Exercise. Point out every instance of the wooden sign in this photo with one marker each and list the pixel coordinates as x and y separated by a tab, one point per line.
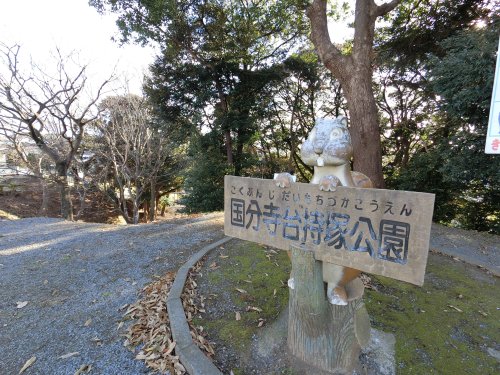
384	232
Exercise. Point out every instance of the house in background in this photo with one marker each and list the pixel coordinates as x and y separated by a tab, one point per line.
9	167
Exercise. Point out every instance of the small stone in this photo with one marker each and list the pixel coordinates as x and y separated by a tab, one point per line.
494	353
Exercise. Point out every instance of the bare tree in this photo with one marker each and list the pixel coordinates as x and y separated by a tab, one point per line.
354	72
19	144
133	152
52	110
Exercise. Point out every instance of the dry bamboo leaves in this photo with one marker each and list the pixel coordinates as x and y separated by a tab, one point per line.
69	355
20	305
28	363
151	329
83	368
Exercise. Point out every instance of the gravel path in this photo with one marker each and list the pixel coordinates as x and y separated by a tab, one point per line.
75	278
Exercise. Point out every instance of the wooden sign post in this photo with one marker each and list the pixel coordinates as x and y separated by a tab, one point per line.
377	231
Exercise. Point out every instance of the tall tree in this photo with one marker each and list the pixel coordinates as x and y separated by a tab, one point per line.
355	73
435	61
52	110
133	151
286	112
227	47
416	28
216	58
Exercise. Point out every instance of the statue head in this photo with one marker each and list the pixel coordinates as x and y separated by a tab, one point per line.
328	143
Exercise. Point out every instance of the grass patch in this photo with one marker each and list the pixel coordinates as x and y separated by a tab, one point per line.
262	274
444	327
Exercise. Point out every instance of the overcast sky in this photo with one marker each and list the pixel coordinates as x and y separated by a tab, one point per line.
41	25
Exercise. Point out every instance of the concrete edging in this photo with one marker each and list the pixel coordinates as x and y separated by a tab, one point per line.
191	357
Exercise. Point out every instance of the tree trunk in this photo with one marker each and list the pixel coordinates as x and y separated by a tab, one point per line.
123	206
135	213
152	203
325	338
354	72
45	197
365	133
229	147
64	191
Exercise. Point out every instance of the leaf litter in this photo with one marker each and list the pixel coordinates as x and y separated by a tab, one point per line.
28	363
150	334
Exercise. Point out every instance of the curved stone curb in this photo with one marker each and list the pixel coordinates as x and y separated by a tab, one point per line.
191	357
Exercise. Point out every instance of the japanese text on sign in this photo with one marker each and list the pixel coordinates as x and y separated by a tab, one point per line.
382	225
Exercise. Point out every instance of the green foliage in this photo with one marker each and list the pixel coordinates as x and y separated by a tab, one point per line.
417	27
204	179
449	104
217	57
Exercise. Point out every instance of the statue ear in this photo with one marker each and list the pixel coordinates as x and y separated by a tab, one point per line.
343	121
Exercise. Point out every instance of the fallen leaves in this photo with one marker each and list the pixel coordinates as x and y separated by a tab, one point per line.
367	281
69	355
254	308
151	329
455	308
28	363
97	341
237	315
20	305
82	369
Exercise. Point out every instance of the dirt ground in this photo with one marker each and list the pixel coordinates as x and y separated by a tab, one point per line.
97	208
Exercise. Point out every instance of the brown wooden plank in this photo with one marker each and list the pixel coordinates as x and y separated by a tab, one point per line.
384	232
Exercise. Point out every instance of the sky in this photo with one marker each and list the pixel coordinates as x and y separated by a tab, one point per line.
40	26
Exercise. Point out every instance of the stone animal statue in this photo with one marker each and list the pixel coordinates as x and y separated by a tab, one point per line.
328	149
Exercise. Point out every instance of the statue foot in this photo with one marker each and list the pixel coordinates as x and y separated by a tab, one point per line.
336	295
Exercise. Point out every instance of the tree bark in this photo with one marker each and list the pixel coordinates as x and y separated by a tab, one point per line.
135	212
324	338
64	191
45	197
152	202
365	129
354	73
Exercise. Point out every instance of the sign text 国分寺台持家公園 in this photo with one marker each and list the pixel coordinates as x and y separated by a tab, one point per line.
378	231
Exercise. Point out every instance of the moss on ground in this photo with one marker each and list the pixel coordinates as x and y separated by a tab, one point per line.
444	327
260	273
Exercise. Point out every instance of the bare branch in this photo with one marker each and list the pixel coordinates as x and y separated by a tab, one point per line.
385	8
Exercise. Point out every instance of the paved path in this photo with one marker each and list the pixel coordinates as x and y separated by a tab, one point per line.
70	273
478	248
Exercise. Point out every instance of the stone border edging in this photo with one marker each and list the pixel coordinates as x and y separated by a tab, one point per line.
191	357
